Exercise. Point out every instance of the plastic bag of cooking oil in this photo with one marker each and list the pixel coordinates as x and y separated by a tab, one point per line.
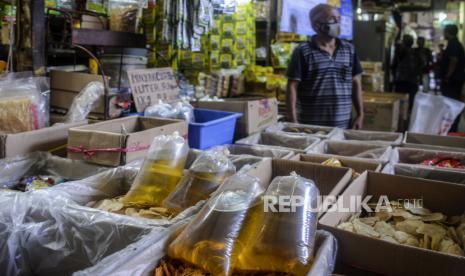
207	242
278	235
161	171
207	173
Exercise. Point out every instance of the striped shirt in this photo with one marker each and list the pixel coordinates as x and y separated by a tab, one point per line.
324	94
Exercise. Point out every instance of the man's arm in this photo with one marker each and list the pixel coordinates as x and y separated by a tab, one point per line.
291	98
451	68
357	99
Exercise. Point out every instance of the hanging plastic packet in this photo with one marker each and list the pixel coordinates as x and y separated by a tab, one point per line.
280	238
207	242
207	173
160	173
84	102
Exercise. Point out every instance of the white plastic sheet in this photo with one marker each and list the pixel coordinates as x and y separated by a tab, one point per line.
434	114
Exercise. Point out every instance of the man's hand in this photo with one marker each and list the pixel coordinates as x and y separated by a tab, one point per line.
358	122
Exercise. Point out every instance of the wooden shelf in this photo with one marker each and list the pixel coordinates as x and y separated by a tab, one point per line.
108	38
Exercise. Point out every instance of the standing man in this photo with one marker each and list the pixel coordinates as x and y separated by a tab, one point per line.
426	58
453	68
324	76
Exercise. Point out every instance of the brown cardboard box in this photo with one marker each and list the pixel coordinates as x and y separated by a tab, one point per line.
45	139
381	114
403	106
295	143
65	86
426	141
372	137
257	113
372	66
260	151
415	156
387	258
373	82
329	180
107	135
93	22
355	150
426	173
359	166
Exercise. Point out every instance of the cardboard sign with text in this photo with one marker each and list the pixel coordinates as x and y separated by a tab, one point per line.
151	85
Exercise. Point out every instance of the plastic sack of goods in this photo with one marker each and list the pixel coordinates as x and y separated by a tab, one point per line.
48	236
23	104
42	170
232	235
357	150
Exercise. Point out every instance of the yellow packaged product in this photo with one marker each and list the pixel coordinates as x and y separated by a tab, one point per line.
279	238
332	162
17	114
198	60
204	177
241	43
242	28
215	41
160	173
227	45
215	60
228	30
207	241
226	60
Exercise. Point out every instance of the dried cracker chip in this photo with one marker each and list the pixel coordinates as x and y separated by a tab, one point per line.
450	247
348	226
436	232
385	229
384	215
364	229
433	217
389	239
409	226
404	214
369	220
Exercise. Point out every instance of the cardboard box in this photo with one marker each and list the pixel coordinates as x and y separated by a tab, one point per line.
329	180
295	143
359	166
414	157
427	141
260	151
329	131
373	82
381	114
65	86
107	136
257	113
372	66
355	150
375	137
403	106
427	173
45	139
93	22
387	258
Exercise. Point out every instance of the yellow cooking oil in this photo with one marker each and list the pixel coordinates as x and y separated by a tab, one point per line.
278	240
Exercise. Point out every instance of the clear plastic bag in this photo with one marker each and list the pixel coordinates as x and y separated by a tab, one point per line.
21	103
296	142
380	152
179	110
84	102
426	173
124	15
161	171
207	242
44	235
207	173
260	151
376	137
278	238
417	157
13	169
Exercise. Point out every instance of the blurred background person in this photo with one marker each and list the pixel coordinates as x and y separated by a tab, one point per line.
426	58
453	68
437	66
406	69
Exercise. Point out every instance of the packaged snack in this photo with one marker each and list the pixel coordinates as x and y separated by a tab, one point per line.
226	60
124	15
228	30
160	173
215	41
206	174
449	163
207	242
227	46
332	162
241	28
273	240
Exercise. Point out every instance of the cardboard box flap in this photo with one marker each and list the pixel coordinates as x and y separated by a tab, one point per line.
354	149
71	81
435	141
357	165
430	173
415	156
329	180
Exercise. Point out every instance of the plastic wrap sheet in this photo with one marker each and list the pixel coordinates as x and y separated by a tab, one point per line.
260	151
416	156
282	140
426	173
240	161
84	102
355	149
43	163
313	130
391	138
142	257
41	235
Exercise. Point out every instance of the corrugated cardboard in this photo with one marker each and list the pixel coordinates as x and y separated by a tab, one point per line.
44	139
365	136
415	156
429	173
427	141
355	150
329	180
381	114
387	258
260	151
256	139
64	86
359	166
329	131
105	135
403	106
257	113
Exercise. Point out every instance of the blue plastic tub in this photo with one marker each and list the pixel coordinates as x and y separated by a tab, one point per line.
212	128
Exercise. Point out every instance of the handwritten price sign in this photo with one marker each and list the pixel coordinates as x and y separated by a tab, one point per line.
151	85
